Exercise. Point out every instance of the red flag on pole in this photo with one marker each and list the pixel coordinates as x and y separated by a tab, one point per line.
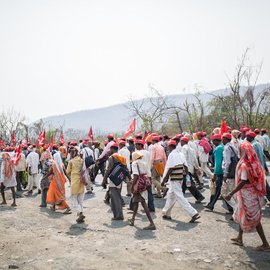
90	134
223	128
61	138
13	139
42	138
146	134
131	128
51	141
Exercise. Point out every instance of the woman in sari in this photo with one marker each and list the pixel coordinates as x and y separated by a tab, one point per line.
250	191
56	192
8	178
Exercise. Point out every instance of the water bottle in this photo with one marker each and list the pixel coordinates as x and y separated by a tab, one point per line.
188	181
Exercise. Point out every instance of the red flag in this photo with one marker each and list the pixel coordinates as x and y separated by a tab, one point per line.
131	128
90	134
42	138
13	139
18	154
223	128
51	141
61	138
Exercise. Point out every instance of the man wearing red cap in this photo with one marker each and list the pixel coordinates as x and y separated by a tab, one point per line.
139	144
203	147
158	161
193	166
107	148
124	152
176	168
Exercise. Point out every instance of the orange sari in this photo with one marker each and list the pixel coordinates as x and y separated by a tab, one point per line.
56	192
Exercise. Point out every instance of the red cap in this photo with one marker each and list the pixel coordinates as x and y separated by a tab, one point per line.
227	136
154	134
172	142
110	136
256	130
155	138
216	137
263	130
185	139
131	140
246	129
200	133
138	135
139	142
251	134
204	133
115	145
122	142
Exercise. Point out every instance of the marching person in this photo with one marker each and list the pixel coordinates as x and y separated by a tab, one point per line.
175	169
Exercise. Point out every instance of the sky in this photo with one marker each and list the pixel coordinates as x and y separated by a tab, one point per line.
60	56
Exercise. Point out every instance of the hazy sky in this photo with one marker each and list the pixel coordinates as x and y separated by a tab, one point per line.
59	56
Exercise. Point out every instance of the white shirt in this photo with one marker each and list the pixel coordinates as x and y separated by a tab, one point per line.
175	158
86	151
124	152
146	159
191	158
203	157
33	161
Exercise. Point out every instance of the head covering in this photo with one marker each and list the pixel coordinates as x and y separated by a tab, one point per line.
184	139
263	130
246	129
251	134
136	155
256	130
130	139
235	133
122	142
115	145
58	161
172	142
139	135
216	137
110	136
30	148
227	136
155	138
139	142
8	165
249	161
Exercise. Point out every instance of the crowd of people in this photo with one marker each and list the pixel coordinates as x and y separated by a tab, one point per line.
153	167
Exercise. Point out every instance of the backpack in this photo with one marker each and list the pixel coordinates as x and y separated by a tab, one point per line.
233	164
205	145
118	173
88	160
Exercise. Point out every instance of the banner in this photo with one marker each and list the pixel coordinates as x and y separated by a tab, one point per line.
131	129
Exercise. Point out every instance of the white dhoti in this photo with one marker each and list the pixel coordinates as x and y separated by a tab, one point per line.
174	194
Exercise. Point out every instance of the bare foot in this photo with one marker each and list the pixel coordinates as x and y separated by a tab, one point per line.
3	203
263	248
237	241
14	204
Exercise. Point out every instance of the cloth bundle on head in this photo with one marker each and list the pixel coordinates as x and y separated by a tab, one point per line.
136	155
249	161
235	133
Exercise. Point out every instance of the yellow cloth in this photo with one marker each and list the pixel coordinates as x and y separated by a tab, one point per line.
74	172
120	159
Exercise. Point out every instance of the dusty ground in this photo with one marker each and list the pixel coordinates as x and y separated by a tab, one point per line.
34	238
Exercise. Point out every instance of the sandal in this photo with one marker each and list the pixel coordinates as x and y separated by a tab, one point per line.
150	228
14	205
131	221
194	218
67	212
237	242
52	208
166	217
263	248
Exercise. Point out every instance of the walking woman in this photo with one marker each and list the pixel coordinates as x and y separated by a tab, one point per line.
74	170
139	167
250	191
56	192
8	178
